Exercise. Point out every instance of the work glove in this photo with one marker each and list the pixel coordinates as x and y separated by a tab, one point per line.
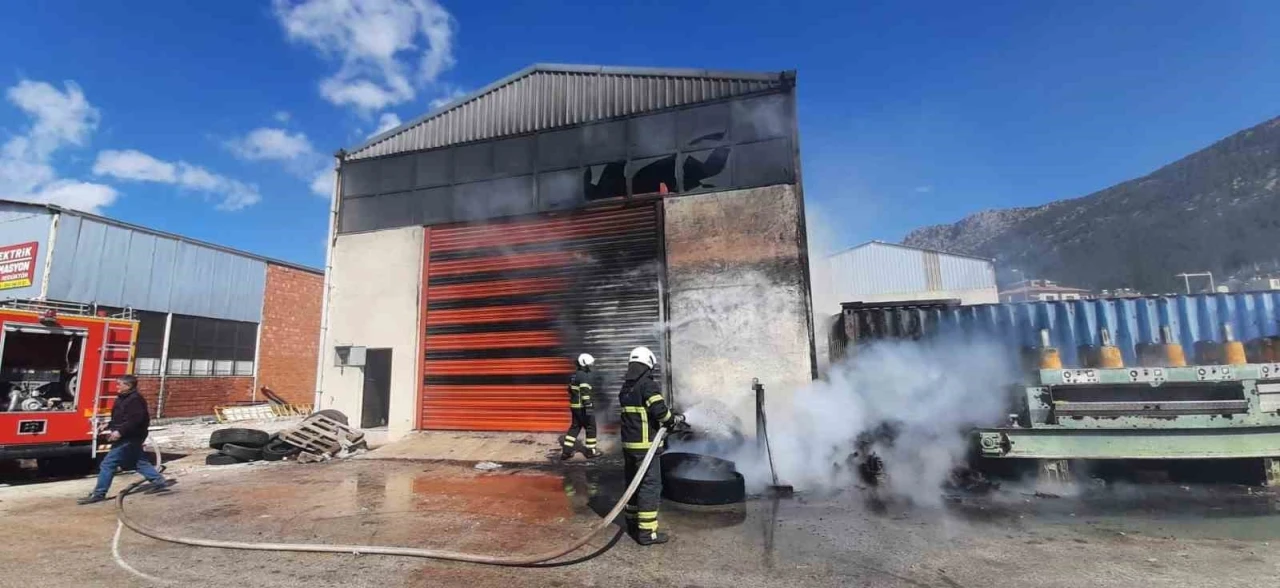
677	420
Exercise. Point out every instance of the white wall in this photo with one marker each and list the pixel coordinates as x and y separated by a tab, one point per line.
737	305
375	292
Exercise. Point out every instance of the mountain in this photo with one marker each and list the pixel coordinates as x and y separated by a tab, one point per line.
1215	210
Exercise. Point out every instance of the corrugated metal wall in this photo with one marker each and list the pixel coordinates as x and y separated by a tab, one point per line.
1076	323
547	98
509	305
25	224
120	266
877	269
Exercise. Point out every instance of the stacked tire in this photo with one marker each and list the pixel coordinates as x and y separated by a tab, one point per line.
238	445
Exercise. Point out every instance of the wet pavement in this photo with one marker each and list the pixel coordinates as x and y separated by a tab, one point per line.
1164	535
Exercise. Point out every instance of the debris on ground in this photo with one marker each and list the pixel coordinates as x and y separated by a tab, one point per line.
488	466
320	436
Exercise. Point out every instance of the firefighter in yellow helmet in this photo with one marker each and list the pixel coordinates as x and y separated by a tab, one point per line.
582	412
644	410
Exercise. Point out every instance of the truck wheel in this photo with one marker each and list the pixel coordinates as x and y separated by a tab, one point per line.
58	467
242	453
242	437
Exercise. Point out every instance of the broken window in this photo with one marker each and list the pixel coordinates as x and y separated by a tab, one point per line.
654	175
605	181
706	169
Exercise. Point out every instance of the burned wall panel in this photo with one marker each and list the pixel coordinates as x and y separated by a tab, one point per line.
740	143
737	298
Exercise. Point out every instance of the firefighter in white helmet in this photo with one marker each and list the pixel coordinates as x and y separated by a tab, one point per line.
582	412
644	410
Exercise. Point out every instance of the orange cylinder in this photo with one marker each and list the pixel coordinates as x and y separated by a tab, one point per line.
1109	357
1233	353
1050	359
1174	356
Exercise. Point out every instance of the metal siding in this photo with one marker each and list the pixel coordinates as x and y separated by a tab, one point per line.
1073	324
878	269
160	279
64	255
548	98
114	268
123	266
508	305
24	224
138	267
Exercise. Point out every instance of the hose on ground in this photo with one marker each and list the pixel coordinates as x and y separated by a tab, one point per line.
537	560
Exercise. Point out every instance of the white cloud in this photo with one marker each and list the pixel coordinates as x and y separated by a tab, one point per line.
322	183
924	189
387	50
59	119
292	150
282	116
268	144
133	165
448	97
386	122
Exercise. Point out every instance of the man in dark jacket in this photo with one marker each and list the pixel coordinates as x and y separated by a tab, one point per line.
644	411
127	431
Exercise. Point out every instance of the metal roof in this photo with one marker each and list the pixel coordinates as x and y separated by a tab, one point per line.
912	248
122	224
545	96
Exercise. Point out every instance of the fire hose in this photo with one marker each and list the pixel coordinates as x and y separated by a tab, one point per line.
510	561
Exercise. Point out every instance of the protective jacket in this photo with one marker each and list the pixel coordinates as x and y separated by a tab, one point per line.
644	409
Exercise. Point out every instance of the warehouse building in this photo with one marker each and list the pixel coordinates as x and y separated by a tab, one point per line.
569	209
876	272
216	325
887	272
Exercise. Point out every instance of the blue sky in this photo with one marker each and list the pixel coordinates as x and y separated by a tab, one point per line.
215	119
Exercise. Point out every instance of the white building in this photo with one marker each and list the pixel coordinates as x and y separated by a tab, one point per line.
887	272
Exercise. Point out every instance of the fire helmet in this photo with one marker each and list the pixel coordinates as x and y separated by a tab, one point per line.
643	355
585	360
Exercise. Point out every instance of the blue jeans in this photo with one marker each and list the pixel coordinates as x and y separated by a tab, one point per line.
124	455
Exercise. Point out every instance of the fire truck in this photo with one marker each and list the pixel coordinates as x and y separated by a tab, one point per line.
58	362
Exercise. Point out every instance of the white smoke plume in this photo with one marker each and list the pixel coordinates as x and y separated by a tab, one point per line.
933	392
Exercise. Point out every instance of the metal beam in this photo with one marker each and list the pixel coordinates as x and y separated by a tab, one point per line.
1130	444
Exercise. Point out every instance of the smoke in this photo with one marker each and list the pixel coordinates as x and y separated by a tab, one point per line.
928	394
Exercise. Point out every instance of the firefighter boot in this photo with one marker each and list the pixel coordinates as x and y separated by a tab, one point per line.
651	537
567	448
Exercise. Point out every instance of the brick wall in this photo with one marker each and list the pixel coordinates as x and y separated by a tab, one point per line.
194	396
290	337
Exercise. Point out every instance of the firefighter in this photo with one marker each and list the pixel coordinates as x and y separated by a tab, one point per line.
643	411
582	412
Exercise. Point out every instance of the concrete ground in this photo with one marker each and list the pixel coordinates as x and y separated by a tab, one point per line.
1151	536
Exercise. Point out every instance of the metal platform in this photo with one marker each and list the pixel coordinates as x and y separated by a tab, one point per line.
1255	442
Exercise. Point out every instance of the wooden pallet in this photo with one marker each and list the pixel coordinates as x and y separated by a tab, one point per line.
321	437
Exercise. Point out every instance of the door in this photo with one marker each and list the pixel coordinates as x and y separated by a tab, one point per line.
377	389
510	304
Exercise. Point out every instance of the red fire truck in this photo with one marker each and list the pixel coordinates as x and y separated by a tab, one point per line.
57	365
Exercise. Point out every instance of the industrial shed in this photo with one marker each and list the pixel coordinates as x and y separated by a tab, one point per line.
216	325
566	209
887	272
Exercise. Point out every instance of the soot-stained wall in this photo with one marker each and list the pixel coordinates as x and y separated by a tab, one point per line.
738	304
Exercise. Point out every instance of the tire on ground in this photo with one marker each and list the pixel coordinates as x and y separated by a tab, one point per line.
220	459
717	483
241	452
277	450
242	437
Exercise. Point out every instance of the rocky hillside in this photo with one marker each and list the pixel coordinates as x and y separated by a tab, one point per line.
1215	210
